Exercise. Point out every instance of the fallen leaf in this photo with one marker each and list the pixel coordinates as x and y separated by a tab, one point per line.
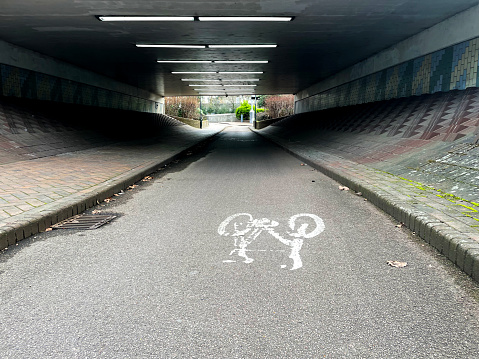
302	164
147	178
397	264
343	188
359	194
400	225
96	211
48	229
132	186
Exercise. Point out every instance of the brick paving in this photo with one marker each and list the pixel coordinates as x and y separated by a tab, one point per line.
37	193
447	222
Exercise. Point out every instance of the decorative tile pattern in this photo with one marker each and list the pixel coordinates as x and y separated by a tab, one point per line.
452	68
442	116
29	84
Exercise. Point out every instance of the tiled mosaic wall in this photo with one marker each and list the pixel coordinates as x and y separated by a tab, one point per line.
452	68
29	84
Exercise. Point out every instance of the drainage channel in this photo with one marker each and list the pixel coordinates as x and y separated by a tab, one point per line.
85	222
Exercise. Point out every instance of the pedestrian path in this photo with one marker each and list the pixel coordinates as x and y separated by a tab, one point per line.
35	194
449	223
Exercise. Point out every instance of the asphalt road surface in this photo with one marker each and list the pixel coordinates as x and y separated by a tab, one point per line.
300	272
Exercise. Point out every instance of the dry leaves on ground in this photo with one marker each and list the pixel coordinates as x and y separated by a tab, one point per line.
147	178
343	188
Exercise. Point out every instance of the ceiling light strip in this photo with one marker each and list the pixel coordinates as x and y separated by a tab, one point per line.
240	62
217	72
245	18
180	46
229	80
211	62
184	61
145	18
240	72
241	46
193	72
173	46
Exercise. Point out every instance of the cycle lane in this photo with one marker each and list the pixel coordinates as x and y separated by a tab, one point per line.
164	280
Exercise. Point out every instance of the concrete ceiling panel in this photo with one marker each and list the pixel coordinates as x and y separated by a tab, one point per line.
325	36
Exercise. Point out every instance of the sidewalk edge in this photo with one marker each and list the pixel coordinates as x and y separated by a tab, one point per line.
43	217
458	247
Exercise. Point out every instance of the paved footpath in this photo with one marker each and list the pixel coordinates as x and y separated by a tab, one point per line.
449	223
37	193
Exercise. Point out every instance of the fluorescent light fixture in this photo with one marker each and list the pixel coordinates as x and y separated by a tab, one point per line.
201	80
216	72
245	18
241	80
193	72
240	85
145	18
241	62
173	46
206	85
240	46
210	62
240	72
218	80
184	62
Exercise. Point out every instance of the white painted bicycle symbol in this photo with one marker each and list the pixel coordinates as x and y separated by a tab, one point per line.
245	230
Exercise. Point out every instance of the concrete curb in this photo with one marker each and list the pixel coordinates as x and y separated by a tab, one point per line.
458	247
40	218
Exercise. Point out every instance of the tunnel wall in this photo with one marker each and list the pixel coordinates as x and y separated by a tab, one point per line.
440	59
33	76
31	129
432	138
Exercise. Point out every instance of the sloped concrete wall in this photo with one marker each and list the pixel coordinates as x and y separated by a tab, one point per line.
32	129
432	138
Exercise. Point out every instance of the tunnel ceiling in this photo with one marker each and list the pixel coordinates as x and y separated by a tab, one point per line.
324	37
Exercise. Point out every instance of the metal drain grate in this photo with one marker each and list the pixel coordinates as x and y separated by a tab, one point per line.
84	221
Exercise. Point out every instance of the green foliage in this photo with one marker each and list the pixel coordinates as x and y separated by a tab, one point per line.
244	110
261	99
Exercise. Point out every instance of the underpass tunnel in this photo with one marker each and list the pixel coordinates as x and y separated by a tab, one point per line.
393	85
